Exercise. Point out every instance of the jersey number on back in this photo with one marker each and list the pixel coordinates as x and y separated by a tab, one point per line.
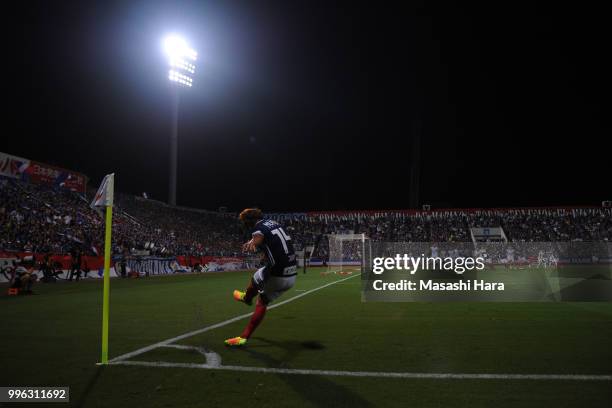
283	238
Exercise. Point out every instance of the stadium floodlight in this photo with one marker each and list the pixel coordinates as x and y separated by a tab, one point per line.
181	59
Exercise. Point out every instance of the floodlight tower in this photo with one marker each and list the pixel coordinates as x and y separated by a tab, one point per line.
181	59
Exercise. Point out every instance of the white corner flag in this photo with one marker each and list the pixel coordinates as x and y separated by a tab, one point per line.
104	198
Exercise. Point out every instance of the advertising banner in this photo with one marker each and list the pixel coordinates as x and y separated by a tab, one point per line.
143	265
41	173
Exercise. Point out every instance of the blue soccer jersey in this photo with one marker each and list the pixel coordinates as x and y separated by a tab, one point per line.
278	248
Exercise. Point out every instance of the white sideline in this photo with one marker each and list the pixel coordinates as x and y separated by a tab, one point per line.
217	325
375	374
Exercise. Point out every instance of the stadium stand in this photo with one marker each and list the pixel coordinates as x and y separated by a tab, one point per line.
45	219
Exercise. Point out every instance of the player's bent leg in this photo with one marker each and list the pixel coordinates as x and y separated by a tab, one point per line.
251	290
272	289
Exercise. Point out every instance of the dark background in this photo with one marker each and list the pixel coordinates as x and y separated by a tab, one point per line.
313	106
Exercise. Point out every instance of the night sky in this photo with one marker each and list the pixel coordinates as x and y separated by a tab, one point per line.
309	106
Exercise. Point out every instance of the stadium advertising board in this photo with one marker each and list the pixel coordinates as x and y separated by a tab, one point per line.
144	265
41	173
90	265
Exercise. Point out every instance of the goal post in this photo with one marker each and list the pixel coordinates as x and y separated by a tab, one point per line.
347	253
303	257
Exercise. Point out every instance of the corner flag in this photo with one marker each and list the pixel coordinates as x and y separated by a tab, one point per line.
104	198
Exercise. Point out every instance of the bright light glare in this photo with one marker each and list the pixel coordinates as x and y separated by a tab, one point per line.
176	47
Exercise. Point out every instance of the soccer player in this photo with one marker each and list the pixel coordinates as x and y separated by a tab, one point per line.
276	277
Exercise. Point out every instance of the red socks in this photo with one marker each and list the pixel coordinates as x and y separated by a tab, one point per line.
256	318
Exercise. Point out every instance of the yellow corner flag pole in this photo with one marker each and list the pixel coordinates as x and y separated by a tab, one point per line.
105	301
104	198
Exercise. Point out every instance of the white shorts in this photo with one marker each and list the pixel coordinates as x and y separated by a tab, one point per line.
273	286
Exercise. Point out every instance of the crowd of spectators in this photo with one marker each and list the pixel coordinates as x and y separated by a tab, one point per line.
45	219
39	219
519	225
181	231
36	218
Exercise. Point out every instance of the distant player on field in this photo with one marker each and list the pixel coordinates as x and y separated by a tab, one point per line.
276	277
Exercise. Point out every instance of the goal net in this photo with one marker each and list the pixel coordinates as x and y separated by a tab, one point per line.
346	253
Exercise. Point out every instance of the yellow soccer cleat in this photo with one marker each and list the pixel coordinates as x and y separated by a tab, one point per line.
235	342
239	296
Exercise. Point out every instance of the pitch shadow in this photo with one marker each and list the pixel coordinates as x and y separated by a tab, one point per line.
319	390
90	385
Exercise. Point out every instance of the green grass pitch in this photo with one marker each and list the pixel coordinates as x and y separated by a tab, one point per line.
53	339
